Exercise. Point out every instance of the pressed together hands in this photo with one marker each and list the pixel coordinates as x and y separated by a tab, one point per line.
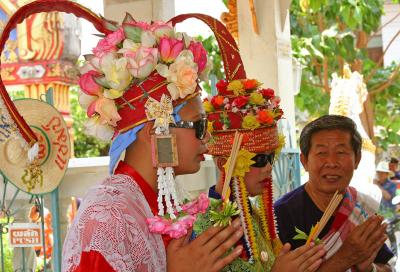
208	252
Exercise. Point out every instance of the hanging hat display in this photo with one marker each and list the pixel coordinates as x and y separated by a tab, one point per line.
46	171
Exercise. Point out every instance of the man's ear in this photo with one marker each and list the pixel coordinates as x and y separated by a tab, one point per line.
304	161
358	159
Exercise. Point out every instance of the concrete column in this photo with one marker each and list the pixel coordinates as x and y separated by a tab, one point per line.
267	56
141	10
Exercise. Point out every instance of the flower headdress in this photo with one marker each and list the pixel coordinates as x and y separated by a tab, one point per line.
243	105
139	73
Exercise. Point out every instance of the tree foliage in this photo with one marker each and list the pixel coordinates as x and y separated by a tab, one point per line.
84	145
326	34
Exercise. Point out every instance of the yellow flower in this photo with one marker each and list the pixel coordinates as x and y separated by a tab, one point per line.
210	127
236	86
243	163
257	98
208	107
282	141
250	122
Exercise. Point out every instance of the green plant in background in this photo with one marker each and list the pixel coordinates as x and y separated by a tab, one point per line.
217	70
326	34
84	145
8	254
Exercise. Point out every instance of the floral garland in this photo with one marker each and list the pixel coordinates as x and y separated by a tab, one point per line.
184	220
256	106
126	57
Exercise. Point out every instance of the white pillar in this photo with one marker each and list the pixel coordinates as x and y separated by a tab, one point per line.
141	10
267	56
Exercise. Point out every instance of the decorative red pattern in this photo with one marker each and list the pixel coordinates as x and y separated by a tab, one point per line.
269	210
18	17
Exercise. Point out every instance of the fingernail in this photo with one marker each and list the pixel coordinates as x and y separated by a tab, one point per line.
239	233
236	223
239	249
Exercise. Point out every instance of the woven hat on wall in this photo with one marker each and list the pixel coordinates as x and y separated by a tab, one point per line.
46	171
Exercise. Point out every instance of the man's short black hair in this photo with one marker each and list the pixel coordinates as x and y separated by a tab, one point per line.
394	160
330	122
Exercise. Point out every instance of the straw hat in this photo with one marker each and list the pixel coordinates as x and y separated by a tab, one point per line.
54	148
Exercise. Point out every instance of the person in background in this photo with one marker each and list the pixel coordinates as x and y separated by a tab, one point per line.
354	237
394	167
252	111
387	187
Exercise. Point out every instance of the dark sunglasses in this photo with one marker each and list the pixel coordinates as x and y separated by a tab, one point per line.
200	126
261	160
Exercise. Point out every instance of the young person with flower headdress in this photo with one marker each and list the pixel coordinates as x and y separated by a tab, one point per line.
142	82
140	87
243	106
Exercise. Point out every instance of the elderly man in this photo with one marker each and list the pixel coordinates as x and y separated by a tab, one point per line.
354	237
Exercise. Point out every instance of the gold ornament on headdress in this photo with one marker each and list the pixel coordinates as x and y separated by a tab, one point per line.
160	111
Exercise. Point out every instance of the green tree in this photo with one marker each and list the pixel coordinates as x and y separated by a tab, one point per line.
84	145
326	34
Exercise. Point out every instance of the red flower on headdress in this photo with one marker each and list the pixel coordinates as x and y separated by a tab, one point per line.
222	87
250	84
265	117
240	101
278	113
199	55
267	93
217	101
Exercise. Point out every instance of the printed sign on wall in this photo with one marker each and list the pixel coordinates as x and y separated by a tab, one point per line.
25	234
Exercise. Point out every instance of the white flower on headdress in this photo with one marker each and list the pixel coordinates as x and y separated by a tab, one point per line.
181	75
147	39
142	62
94	127
116	72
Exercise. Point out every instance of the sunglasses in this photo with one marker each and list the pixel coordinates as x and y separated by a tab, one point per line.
200	126
261	160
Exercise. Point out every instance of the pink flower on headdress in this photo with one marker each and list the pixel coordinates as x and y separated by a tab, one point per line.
181	75
94	127
199	55
116	37
170	49
162	29
275	101
88	84
142	25
107	110
142	62
103	47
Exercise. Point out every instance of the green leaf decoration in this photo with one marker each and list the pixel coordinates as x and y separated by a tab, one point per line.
221	213
110	25
128	19
133	33
301	235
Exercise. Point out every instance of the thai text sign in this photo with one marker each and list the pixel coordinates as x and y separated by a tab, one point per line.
25	235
